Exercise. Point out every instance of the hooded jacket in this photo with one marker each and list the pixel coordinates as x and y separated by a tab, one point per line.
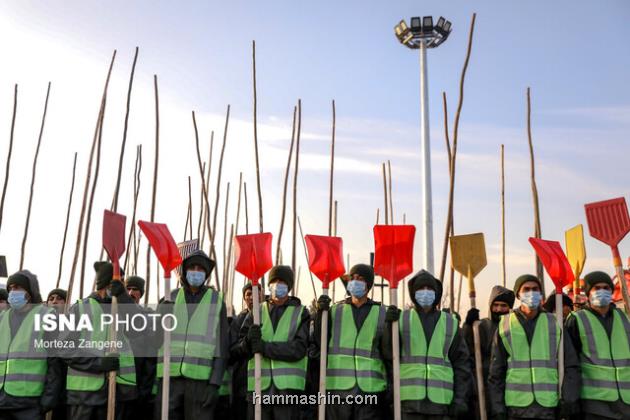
54	375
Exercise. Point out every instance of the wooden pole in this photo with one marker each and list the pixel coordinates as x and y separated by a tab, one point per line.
225	251
156	166
30	198
332	172
238	216
87	183
503	271
189	215
334	233
207	215
8	164
136	191
450	226
246	212
537	232
385	196
284	193
124	139
260	200
454	154
202	207
306	256
295	181
391	200
211	232
65	230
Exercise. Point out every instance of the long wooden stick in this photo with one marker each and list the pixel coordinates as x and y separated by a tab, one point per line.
8	164
156	165
226	257
260	200
385	195
238	216
540	273
503	271
124	139
295	183
136	191
87	182
189	216
207	215
30	198
391	200
202	207
334	233
284	191
246	211
332	173
201	174
185	237
306	256
65	230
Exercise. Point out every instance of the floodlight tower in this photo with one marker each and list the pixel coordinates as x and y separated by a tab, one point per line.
423	34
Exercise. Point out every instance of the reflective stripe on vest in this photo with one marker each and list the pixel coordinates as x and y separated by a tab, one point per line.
226	384
604	362
79	380
425	370
354	358
285	375
532	370
23	366
194	341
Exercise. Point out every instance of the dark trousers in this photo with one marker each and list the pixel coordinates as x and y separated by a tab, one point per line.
99	412
185	402
276	412
32	413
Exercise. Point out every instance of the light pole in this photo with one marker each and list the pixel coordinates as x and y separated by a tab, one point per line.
422	35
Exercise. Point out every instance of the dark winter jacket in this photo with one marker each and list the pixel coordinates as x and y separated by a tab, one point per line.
613	410
239	356
498	369
291	351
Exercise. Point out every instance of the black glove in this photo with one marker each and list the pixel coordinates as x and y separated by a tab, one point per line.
457	409
44	408
212	395
254	339
118	288
392	314
472	316
323	303
110	362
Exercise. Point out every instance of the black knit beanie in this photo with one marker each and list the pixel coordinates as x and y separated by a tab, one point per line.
59	292
21	280
365	271
137	282
524	279
591	279
421	279
282	272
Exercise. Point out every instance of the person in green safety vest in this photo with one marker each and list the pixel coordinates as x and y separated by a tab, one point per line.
88	368
601	336
282	340
435	374
57	300
523	381
199	343
359	363
30	376
240	354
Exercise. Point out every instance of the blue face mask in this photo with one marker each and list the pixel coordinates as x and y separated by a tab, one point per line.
279	290
531	299
17	299
357	288
195	278
600	298
425	298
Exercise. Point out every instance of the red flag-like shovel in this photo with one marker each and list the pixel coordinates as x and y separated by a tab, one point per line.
325	260
114	244
559	269
166	251
253	260
609	222
393	260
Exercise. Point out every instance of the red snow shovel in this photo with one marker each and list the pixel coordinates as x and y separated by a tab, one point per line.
559	269
253	260
609	222
114	244
393	260
325	260
165	249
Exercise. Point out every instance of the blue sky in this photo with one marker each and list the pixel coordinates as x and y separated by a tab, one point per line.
574	55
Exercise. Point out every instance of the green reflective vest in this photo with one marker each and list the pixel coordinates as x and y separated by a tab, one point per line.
605	362
285	375
354	357
23	365
532	369
425	370
193	342
79	380
226	384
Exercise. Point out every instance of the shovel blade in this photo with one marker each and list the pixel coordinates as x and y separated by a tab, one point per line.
114	234
468	252
163	245
608	221
325	257
393	246
576	252
555	262
253	255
